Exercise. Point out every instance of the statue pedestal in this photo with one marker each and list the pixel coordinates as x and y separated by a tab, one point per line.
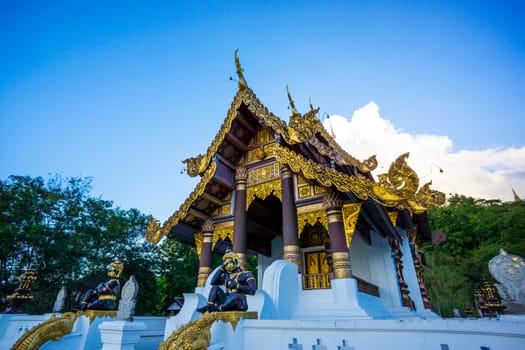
121	335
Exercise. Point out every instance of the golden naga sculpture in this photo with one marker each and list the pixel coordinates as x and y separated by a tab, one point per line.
399	183
399	188
196	335
55	328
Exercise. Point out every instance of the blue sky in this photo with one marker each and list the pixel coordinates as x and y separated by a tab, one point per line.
123	92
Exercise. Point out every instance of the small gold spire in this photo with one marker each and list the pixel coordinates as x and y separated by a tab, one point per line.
242	81
292	104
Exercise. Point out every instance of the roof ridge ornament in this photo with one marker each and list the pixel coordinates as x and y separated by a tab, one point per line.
292	104
242	82
311	105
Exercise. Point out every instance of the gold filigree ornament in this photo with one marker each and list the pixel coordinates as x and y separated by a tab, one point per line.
198	242
311	218
263	190
324	176
223	232
392	215
300	129
196	335
350	215
55	328
397	188
154	232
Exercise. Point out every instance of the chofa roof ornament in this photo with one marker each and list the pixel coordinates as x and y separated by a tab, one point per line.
240	71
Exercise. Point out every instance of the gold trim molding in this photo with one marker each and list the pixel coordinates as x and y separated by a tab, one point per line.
398	188
154	232
311	218
301	128
393	217
350	215
223	231
263	190
198	236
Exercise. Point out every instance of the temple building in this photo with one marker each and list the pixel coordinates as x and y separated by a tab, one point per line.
337	253
288	191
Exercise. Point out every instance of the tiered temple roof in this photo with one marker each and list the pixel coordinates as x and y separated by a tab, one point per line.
253	137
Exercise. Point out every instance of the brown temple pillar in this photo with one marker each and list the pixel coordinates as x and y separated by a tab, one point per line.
206	253
333	203
290	234
240	227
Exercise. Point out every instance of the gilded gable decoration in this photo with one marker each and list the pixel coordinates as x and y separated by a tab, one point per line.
324	176
310	215
305	189
350	215
263	190
393	217
301	129
198	242
335	152
223	231
154	232
396	189
248	119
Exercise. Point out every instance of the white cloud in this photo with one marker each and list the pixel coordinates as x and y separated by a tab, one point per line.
485	174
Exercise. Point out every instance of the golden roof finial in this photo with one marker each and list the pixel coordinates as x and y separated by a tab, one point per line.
292	104
242	81
311	105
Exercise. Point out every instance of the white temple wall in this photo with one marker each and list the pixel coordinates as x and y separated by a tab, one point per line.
382	334
384	271
360	257
373	263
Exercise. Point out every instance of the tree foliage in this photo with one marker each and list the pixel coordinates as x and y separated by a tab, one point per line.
476	229
179	265
69	238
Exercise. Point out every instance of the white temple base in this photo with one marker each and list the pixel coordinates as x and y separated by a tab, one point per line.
121	335
339	302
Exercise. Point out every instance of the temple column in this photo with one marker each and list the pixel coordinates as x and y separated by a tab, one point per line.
333	204
206	253
240	228
290	234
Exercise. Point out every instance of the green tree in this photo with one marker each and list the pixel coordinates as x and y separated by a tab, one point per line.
69	238
179	265
476	229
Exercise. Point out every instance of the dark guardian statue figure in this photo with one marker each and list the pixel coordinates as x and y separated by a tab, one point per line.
237	283
104	296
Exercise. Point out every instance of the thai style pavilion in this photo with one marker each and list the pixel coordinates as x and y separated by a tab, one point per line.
289	191
338	263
